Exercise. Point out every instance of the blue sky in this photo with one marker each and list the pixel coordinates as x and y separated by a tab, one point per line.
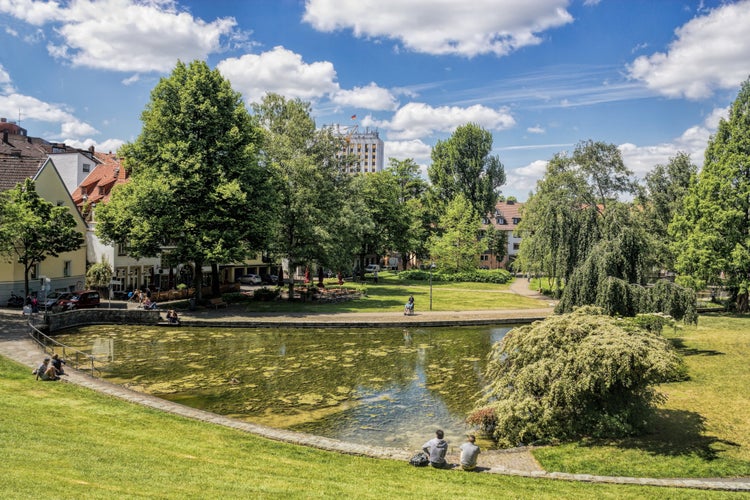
651	76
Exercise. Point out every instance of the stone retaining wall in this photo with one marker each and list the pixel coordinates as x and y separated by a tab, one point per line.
82	317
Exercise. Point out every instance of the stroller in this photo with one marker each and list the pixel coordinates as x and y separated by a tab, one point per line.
409	307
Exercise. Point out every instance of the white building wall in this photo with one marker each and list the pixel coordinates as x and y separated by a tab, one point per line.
73	168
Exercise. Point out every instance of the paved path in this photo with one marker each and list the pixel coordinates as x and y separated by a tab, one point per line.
15	344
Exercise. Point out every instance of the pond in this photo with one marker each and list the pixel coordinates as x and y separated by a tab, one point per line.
380	386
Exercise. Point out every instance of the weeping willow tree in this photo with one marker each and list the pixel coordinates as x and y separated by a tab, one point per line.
575	375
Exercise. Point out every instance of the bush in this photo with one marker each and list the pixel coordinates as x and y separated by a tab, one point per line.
576	375
266	294
498	276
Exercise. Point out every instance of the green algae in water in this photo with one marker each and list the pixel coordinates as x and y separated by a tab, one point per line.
370	386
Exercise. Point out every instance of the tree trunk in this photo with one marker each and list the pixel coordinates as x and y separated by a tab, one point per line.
198	280
742	303
215	283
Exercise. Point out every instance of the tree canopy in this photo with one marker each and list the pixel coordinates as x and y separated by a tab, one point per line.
711	232
582	374
33	229
307	179
196	186
463	164
457	247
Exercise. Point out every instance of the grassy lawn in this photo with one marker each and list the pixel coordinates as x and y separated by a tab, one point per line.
704	428
61	440
390	295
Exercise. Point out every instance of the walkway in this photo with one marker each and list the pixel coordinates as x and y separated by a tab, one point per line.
15	344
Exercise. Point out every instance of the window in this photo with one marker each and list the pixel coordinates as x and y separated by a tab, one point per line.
516	246
67	265
516	220
34	272
122	249
485	220
86	167
101	191
500	220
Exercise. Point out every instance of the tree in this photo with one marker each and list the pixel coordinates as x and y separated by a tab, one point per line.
196	185
711	232
458	247
666	187
33	229
99	275
566	217
307	178
463	164
575	375
496	241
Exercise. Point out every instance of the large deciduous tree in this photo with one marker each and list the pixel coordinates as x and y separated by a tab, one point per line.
712	230
307	178
33	229
196	185
463	164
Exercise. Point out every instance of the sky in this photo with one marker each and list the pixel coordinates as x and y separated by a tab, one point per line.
653	77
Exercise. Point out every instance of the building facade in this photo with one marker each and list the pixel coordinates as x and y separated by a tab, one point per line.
363	151
505	218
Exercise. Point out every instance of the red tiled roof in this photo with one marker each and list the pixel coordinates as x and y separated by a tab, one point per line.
507	211
98	185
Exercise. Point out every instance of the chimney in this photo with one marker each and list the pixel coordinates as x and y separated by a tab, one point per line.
91	149
5	135
3	120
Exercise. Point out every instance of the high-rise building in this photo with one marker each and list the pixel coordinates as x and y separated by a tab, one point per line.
364	149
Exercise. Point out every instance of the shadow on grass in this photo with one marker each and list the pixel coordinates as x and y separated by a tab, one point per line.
677	433
679	344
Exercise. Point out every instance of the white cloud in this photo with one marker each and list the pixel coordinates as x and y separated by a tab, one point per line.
710	52
536	129
369	97
415	120
31	11
108	146
443	26
123	35
401	150
693	141
524	179
131	79
281	71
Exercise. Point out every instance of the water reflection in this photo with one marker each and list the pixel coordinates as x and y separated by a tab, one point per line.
388	387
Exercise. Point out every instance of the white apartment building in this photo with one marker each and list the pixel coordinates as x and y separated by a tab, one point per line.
367	149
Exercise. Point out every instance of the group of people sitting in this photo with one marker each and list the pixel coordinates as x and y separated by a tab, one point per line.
437	447
142	298
50	369
172	317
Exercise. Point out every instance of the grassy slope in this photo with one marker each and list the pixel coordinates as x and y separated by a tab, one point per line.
68	441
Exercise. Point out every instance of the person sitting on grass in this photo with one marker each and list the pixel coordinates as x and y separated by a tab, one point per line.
58	363
46	371
436	448
469	453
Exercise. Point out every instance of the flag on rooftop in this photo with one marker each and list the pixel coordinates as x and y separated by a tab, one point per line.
354	117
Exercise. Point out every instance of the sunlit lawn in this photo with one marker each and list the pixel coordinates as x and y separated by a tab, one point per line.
704	428
390	295
58	440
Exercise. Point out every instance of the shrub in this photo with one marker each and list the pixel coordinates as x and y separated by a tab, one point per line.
498	276
576	375
266	294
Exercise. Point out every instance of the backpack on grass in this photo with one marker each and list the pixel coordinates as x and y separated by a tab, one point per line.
419	460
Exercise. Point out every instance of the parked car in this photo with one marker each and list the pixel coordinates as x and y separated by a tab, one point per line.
250	279
53	298
371	268
270	279
79	300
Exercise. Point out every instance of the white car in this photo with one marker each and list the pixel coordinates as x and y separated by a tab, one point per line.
250	279
371	268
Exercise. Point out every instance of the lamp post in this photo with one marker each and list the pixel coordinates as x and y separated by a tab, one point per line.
432	264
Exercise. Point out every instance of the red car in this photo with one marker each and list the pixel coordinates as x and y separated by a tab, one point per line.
79	300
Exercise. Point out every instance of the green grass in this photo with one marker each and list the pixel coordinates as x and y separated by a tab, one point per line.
61	440
704	428
390	295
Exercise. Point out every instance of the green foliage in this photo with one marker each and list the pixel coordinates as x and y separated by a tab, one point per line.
576	375
99	274
196	184
711	231
33	229
458	247
462	164
266	294
497	276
